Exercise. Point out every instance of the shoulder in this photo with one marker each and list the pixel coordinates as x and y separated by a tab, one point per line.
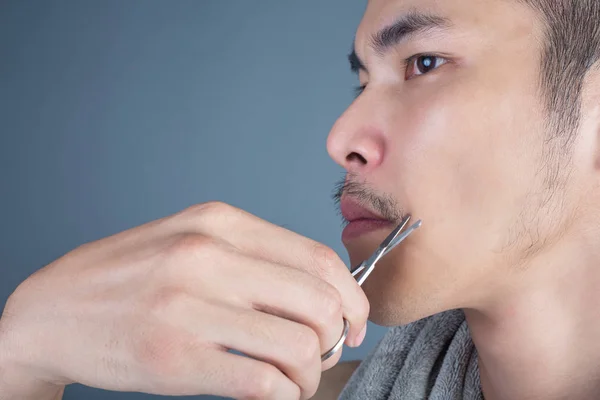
334	379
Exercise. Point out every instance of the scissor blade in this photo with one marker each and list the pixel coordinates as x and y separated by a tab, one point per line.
401	237
386	243
361	272
394	234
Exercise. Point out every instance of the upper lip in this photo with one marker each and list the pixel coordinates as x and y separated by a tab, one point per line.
352	210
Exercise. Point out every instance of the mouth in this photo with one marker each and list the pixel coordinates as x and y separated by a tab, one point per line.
361	220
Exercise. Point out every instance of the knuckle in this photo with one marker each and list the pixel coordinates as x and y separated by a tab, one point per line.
306	348
209	208
214	213
193	244
324	259
331	304
262	383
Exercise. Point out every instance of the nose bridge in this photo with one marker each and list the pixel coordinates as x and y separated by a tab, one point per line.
357	140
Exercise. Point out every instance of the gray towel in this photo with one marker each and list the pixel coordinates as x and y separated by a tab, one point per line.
433	358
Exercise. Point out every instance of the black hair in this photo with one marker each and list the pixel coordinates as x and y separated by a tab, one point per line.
571	49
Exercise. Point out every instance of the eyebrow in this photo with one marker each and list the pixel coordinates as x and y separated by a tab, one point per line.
406	26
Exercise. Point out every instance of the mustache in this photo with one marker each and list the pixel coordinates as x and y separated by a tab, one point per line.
384	204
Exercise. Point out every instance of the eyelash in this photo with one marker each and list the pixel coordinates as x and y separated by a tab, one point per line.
407	63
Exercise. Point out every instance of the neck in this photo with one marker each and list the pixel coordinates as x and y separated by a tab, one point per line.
541	339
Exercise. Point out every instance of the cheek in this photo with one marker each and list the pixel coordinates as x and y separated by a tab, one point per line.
463	161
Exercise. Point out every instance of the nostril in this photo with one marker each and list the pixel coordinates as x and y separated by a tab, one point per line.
355	156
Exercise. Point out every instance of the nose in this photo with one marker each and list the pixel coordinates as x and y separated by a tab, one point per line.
356	142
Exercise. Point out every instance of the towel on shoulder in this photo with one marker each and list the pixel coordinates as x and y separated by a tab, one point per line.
433	358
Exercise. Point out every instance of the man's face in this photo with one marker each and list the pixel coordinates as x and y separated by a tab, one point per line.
457	138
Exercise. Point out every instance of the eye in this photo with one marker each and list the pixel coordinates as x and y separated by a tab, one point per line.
422	64
415	66
358	90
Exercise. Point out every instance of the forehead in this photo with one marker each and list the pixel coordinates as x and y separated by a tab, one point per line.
502	20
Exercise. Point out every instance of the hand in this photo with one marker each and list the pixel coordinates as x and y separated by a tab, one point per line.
155	309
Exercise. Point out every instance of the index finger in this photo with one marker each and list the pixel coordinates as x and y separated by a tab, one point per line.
255	236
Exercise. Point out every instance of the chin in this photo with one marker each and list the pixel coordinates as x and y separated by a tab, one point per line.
401	292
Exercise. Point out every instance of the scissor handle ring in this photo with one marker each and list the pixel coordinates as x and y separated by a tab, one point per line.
339	343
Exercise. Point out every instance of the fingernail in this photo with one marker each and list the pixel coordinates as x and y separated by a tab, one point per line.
361	336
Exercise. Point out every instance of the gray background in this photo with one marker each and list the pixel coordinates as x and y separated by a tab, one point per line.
114	113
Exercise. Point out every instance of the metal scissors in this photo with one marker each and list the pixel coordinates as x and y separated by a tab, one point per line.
361	272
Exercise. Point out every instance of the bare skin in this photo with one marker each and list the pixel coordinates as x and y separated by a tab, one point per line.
155	308
511	235
511	230
332	381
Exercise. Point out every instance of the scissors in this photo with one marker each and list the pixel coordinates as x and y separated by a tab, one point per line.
361	272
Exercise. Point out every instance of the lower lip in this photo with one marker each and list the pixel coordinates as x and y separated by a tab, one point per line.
361	227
